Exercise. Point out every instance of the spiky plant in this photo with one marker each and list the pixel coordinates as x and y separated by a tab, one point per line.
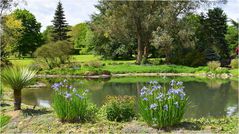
17	78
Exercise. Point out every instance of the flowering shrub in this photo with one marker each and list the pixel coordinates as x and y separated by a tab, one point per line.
70	104
120	108
161	107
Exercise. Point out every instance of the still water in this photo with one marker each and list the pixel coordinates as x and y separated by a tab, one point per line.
207	97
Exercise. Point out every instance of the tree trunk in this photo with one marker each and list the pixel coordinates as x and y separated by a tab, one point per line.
139	50
17	99
139	41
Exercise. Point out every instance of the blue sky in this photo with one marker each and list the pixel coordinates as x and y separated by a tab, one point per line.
77	11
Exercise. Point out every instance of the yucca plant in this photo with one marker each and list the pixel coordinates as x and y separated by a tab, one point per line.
17	78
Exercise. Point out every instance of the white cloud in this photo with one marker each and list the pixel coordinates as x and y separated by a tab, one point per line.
77	11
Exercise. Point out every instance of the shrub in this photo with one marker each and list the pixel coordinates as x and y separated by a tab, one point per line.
120	108
160	107
17	78
72	105
95	64
234	63
54	54
213	65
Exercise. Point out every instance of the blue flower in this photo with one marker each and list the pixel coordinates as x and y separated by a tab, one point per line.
145	99
176	104
182	96
70	87
142	93
153	106
179	83
159	97
55	86
68	95
74	90
153	82
165	107
172	82
81	97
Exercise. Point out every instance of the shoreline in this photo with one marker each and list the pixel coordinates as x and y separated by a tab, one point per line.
207	75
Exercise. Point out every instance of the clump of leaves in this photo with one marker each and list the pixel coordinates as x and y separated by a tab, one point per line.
120	108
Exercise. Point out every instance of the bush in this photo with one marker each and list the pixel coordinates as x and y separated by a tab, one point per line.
160	107
213	65
120	108
95	64
234	63
72	105
54	54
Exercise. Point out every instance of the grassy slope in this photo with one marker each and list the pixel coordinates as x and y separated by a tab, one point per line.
120	66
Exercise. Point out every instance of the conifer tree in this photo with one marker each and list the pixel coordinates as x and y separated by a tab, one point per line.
60	26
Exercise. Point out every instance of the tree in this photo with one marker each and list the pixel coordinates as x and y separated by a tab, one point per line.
211	36
9	27
81	35
47	34
17	78
31	37
60	26
232	37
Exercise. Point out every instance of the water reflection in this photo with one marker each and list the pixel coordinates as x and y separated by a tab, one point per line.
207	97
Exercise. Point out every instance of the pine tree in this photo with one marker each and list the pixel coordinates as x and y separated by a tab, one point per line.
60	26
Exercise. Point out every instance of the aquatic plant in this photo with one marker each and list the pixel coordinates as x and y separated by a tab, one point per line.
161	107
17	78
71	104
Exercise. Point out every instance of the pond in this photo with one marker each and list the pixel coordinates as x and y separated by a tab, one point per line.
207	97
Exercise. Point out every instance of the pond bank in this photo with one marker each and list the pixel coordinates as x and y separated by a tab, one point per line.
208	75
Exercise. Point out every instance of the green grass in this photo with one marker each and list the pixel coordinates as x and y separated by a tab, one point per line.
4	119
22	62
121	66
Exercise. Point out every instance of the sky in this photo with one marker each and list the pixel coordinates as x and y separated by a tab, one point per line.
77	11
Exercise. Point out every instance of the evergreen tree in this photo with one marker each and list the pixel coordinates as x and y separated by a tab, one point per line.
60	26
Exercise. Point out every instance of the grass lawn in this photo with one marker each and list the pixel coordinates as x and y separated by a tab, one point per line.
120	66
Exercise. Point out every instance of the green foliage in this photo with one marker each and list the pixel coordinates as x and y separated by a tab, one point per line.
234	63
213	65
120	108
54	54
81	36
94	64
72	105
60	27
4	119
31	37
47	34
161	107
17	77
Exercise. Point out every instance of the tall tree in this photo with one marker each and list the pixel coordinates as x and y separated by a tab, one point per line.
60	26
211	35
31	37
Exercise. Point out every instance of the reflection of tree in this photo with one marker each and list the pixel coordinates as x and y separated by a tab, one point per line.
205	101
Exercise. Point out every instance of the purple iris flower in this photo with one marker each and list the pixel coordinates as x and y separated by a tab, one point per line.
145	99
165	107
81	97
68	95
153	106
176	104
